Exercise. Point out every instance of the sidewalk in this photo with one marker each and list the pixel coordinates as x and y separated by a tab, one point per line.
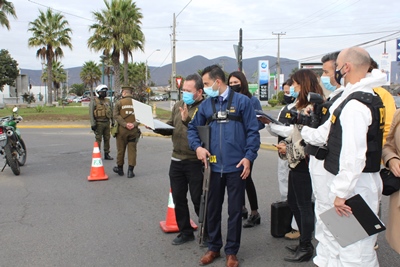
266	139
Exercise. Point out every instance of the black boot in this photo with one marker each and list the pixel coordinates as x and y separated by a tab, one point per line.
119	170
252	221
292	248
245	213
303	253
130	172
107	156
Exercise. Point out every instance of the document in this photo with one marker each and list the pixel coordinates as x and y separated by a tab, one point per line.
144	115
360	224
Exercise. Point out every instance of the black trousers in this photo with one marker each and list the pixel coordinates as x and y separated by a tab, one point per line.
299	200
186	175
251	191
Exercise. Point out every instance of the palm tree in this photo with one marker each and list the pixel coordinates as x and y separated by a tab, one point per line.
90	75
6	7
50	31
117	29
59	76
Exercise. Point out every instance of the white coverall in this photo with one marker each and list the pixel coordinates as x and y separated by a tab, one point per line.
355	119
283	167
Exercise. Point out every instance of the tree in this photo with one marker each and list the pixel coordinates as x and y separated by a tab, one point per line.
77	88
117	30
50	32
59	76
90	75
8	69
6	8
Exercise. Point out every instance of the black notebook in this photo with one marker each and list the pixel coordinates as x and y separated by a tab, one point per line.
359	225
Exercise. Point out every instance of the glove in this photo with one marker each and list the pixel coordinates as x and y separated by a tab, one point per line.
94	128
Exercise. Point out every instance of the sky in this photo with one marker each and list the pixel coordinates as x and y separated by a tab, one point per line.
210	28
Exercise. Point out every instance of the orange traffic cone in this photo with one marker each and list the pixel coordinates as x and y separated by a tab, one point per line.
170	225
97	170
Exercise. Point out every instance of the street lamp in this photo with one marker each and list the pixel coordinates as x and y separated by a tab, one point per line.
102	57
146	82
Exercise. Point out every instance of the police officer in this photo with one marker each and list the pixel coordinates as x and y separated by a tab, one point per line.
128	132
100	115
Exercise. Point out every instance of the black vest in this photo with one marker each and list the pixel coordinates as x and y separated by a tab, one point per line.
324	111
374	134
286	117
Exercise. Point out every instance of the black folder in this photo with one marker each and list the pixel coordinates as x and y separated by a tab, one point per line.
360	224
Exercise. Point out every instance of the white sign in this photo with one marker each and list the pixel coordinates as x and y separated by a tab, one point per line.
385	66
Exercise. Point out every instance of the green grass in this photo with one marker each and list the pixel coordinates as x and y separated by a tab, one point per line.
68	113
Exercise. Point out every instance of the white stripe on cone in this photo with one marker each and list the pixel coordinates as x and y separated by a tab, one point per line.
171	201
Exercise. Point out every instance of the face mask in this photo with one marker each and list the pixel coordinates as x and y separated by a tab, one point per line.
326	81
293	93
288	99
187	97
236	88
339	76
210	92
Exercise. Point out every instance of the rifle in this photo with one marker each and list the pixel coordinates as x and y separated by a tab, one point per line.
204	134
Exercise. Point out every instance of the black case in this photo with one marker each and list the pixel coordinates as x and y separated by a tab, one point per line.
281	219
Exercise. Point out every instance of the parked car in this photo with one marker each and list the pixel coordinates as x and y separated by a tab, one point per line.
70	98
397	101
77	99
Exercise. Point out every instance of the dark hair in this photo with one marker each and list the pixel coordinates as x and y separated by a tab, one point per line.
287	82
331	56
374	65
215	72
244	85
198	82
308	81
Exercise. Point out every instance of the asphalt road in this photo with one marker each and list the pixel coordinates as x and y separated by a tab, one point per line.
52	216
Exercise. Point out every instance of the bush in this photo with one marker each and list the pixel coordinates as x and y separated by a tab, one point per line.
273	102
39	109
281	99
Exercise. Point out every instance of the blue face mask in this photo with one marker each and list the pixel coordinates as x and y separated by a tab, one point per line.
187	97
326	81
293	93
210	92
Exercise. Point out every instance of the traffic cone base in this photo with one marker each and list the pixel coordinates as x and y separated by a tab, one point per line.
97	171
170	225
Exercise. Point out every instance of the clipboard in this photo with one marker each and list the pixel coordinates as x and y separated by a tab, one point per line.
144	115
261	113
360	224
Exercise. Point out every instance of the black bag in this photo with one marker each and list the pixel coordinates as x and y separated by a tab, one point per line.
281	219
391	183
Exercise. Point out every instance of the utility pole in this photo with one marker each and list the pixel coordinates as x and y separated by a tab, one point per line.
240	51
173	78
278	64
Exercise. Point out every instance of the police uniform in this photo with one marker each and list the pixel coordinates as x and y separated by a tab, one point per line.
126	139
100	115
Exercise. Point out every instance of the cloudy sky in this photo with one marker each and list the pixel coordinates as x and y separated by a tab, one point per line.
211	27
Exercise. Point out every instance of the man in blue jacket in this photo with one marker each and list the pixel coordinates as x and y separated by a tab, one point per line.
234	143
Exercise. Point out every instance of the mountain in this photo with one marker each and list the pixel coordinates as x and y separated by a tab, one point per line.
161	75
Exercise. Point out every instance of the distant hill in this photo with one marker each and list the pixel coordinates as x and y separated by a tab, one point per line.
161	75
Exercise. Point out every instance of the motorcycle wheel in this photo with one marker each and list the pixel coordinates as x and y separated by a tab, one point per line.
12	160
22	157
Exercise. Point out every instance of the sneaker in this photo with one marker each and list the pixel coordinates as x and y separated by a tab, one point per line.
293	235
181	239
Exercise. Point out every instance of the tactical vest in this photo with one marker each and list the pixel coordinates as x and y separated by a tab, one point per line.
286	117
127	111
102	109
374	134
324	110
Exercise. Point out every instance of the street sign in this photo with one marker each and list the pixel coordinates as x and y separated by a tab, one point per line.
398	56
178	82
148	90
398	44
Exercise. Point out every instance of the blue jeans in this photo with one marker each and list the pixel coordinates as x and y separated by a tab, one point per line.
299	200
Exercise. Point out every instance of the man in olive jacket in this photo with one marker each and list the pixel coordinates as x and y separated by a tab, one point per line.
185	171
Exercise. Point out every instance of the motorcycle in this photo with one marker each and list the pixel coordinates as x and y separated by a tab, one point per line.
12	147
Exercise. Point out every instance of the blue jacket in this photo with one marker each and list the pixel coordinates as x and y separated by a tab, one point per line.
230	141
257	106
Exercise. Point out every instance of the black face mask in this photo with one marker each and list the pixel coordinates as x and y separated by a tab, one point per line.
236	88
102	94
338	75
288	99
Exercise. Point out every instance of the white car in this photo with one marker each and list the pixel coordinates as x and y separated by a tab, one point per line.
77	99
